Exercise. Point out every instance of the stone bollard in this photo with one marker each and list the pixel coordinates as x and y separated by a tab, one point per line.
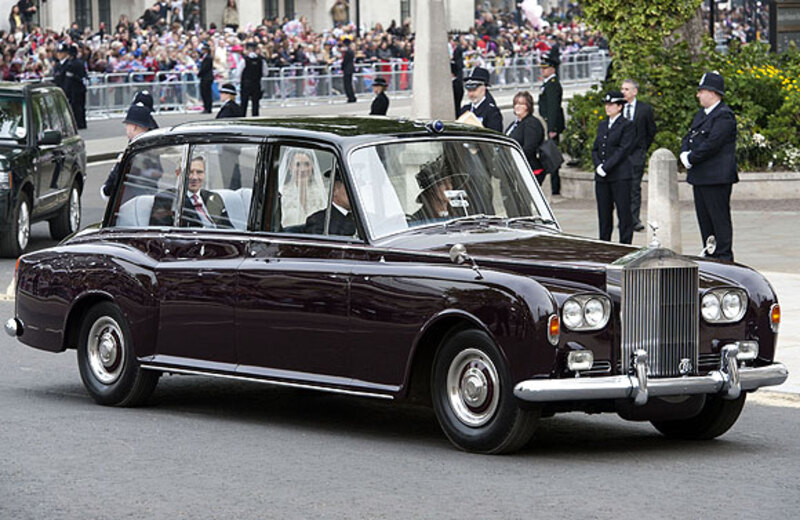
663	203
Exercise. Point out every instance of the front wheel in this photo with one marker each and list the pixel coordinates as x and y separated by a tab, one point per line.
68	219
717	417
14	239
106	360
473	396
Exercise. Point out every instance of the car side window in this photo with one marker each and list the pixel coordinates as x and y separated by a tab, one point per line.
311	195
41	121
67	124
219	185
52	114
151	178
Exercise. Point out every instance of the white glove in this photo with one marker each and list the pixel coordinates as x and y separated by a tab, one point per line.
685	159
103	195
600	171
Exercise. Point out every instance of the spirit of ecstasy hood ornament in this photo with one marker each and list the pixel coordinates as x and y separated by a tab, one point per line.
654	242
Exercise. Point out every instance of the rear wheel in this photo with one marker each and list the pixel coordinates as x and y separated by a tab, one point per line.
717	417
473	396
68	219
108	366
15	237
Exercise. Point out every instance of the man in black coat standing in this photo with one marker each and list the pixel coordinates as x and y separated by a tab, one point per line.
708	152
613	169
206	75
458	85
230	108
348	68
251	78
482	103
641	114
550	94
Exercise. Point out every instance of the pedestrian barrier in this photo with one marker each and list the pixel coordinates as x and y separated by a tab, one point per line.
109	95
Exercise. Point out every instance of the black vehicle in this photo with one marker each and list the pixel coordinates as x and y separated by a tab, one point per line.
42	164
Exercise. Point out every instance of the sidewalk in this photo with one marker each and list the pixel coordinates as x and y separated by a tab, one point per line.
764	233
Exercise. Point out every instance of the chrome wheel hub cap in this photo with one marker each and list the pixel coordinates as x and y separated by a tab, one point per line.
106	348
23	226
473	387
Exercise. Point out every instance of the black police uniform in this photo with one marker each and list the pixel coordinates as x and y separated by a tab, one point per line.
711	143
230	109
612	149
487	113
60	73
75	88
251	81
206	74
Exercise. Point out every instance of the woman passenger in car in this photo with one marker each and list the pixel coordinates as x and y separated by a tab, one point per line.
435	181
301	186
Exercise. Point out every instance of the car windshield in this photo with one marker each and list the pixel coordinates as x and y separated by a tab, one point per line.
403	185
12	118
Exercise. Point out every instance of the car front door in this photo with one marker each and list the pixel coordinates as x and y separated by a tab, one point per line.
292	316
48	159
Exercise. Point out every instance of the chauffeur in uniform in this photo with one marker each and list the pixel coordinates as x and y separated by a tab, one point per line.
708	152
230	108
550	94
641	114
613	169
481	101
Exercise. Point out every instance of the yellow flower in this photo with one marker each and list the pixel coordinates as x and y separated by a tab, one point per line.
595	111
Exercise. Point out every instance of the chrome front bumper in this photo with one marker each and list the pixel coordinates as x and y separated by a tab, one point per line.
729	382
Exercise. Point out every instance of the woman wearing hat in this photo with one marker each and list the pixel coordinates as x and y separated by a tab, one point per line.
230	108
435	179
380	105
708	152
613	169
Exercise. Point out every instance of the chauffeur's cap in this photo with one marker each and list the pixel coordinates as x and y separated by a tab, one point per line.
478	77
551	59
614	96
712	81
380	82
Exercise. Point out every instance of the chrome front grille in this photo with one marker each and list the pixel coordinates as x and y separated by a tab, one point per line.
660	314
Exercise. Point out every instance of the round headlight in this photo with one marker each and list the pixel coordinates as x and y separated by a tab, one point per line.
731	305
594	312
571	314
710	310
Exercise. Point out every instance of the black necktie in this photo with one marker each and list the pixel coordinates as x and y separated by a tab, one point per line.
629	112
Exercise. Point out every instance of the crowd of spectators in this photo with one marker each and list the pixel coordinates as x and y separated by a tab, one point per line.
165	40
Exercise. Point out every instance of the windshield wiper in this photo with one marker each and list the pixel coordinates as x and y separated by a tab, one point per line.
534	219
480	219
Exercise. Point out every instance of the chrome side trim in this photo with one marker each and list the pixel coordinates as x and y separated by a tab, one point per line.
273	382
628	387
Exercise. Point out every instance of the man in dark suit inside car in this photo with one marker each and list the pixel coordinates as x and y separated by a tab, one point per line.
342	222
201	207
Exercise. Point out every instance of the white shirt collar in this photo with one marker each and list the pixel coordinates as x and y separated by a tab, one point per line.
633	104
341	209
545	80
476	105
712	107
611	120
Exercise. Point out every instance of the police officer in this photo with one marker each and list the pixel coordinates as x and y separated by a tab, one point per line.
613	169
206	74
229	106
550	94
138	120
75	86
60	68
708	152
145	98
252	72
481	101
380	105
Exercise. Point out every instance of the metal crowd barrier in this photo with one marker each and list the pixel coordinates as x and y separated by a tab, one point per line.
109	95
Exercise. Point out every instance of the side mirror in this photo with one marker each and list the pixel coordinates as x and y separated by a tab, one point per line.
50	137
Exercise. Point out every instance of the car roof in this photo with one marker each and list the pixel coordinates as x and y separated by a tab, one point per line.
344	131
12	87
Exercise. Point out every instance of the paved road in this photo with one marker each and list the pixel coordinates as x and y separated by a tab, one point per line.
211	449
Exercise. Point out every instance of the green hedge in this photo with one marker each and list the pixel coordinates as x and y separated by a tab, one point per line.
762	88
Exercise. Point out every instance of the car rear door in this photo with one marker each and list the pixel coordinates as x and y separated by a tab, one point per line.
48	159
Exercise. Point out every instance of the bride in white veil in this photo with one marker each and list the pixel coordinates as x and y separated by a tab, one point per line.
301	186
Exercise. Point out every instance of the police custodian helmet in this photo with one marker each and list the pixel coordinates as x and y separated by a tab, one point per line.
712	81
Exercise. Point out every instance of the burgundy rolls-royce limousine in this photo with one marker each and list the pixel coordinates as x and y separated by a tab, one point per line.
394	259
